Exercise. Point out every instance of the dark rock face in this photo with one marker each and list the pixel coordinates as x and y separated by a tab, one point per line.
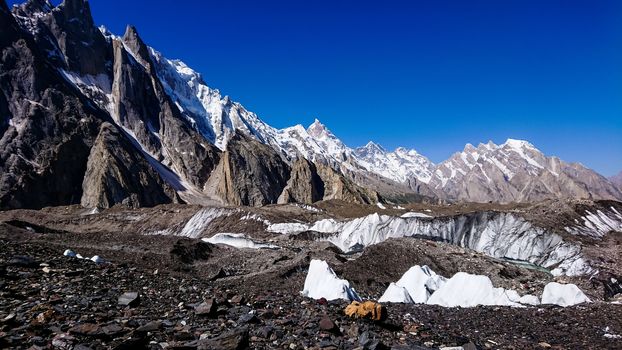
49	122
309	183
249	173
67	30
47	127
144	107
304	184
117	173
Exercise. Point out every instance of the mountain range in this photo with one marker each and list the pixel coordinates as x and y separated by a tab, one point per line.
93	118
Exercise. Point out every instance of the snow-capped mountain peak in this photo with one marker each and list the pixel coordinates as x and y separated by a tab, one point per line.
370	149
317	129
517	144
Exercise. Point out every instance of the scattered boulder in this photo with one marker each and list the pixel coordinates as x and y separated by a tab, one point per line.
206	308
149	327
131	299
326	324
236	339
189	250
86	329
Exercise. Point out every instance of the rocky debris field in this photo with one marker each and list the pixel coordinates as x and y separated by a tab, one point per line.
48	300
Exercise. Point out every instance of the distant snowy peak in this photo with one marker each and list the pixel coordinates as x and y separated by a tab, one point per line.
401	165
516	171
510	158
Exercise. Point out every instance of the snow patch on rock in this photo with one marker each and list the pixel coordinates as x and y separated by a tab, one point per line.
288	227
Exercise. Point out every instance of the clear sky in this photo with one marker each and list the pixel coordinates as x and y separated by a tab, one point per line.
430	75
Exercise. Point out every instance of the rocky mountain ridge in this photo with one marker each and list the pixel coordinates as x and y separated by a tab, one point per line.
111	133
180	140
617	180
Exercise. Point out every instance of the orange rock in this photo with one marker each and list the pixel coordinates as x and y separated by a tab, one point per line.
368	309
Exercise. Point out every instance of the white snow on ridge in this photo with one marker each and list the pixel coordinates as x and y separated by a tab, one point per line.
401	165
237	240
322	282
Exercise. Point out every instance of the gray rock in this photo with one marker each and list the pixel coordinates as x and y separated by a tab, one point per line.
249	173
236	339
149	327
130	299
206	308
116	172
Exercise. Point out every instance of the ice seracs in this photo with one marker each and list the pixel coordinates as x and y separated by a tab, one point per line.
322	282
395	294
415	286
500	235
237	240
466	290
563	294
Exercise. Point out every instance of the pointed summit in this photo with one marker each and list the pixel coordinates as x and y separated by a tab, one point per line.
135	44
469	148
517	144
371	145
77	9
84	48
317	129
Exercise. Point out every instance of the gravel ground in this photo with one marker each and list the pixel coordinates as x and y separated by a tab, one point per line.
51	301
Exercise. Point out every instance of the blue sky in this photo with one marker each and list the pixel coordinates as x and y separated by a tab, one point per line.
430	75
